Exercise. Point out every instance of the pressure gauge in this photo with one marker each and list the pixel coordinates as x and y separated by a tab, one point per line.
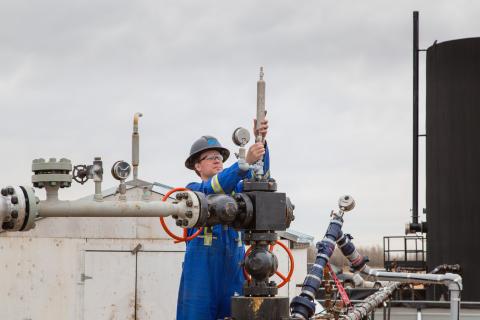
241	136
121	170
346	203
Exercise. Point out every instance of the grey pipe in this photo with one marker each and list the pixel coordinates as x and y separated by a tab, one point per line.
367	306
447	279
258	166
415	226
135	146
84	208
98	191
51	192
20	208
454	304
260	104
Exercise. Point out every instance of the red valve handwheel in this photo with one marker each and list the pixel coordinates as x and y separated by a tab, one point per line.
178	239
278	273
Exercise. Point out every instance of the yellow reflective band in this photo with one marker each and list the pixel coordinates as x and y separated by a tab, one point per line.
217	188
207	237
240	242
207	240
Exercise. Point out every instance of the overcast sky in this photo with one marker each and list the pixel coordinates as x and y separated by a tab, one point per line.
339	92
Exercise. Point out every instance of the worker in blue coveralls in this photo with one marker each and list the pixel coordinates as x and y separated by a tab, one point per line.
212	271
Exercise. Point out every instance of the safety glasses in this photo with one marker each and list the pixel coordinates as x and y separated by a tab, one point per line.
212	157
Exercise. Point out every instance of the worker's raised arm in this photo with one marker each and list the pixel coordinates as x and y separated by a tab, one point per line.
222	182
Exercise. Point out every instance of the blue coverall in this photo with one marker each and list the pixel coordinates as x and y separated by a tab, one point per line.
211	272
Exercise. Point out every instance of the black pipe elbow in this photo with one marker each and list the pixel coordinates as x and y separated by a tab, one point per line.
302	306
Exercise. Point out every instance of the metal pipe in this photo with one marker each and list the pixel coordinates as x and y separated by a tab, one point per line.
454	304
97	173
406	277
258	166
98	191
419	314
260	104
51	192
135	145
415	138
84	208
363	309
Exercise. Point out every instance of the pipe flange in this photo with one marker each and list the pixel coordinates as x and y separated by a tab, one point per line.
203	212
250	290
16	209
191	214
269	237
52	173
253	185
289	216
245	217
31	208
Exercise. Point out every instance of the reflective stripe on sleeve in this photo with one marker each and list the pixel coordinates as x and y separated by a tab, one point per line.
217	188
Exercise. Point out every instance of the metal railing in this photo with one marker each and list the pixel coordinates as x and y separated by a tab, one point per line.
404	253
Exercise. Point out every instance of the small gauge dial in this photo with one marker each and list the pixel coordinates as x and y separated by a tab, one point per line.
121	170
241	136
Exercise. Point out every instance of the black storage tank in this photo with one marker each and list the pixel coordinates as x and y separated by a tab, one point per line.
453	159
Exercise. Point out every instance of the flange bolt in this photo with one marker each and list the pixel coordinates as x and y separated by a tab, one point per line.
8	225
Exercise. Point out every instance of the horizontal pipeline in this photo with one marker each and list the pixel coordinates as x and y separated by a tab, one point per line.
82	208
447	279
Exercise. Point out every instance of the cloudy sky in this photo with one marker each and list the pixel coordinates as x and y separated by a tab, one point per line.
339	92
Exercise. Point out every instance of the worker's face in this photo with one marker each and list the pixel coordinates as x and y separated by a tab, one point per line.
209	164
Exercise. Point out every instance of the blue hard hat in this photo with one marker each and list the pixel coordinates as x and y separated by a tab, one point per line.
205	143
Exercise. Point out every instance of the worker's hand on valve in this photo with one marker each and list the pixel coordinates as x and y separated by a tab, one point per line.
255	152
262	130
